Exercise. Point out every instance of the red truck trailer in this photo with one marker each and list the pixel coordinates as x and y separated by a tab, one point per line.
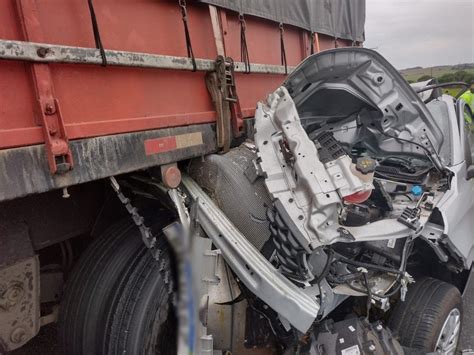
95	89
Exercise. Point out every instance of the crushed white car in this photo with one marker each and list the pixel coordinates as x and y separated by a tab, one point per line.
354	198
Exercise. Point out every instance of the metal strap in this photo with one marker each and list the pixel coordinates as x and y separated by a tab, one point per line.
244	52
53	53
95	29
189	47
282	48
217	86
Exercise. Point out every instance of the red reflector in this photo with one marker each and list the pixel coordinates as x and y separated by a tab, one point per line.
358	197
172	177
160	145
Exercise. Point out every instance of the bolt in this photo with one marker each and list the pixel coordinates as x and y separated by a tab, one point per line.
18	335
14	293
43	52
379	327
372	347
49	109
12	296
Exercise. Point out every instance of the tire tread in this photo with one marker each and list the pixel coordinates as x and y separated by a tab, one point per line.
419	319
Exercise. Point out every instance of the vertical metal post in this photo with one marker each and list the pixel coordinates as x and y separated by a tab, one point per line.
47	111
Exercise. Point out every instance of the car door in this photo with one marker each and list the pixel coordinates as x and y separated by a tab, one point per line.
457	206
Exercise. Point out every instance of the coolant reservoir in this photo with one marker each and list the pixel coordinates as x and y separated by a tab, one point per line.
364	169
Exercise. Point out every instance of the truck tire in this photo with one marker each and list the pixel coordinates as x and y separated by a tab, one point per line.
118	298
430	315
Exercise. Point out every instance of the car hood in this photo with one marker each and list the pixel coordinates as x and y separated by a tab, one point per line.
333	85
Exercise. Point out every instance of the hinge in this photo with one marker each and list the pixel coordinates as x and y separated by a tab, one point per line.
56	141
47	110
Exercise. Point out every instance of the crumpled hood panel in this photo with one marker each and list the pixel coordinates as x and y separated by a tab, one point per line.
342	82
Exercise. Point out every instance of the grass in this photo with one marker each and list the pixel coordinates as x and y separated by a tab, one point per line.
451	91
415	73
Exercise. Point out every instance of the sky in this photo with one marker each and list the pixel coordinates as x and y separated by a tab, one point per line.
423	33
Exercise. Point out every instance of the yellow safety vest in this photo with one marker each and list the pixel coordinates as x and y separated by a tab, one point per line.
468	98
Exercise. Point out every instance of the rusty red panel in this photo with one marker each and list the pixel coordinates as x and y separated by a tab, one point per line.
97	101
328	42
263	40
10	27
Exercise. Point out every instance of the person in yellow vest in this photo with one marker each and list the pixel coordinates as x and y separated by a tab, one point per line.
468	98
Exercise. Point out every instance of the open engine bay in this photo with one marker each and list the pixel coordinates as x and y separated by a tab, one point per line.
339	197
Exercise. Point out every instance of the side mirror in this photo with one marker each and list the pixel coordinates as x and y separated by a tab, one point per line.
470	172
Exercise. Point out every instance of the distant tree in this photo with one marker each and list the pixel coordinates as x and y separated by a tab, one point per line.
469	78
460	75
424	78
446	78
410	81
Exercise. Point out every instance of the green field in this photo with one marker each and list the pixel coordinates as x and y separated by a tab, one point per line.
444	74
452	91
413	74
